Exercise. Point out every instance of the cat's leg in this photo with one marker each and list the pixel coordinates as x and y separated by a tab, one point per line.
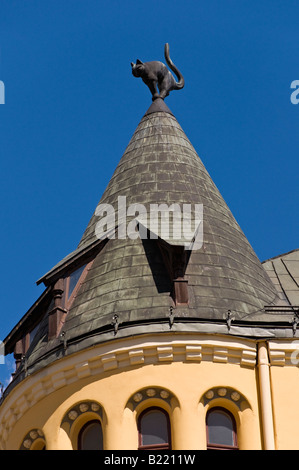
153	89
163	94
164	88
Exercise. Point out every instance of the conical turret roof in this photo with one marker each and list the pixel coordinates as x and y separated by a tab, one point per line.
129	278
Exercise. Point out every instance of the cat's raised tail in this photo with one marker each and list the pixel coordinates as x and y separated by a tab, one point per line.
181	82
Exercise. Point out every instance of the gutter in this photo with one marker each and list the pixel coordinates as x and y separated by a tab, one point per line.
265	396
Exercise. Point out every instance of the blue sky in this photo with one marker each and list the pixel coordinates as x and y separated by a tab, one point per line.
72	105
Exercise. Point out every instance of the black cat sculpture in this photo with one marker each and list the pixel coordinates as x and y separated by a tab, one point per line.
156	75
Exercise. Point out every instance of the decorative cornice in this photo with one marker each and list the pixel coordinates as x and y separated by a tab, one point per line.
133	352
284	353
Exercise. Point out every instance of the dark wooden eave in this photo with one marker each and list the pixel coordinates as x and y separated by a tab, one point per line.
34	315
72	261
31	318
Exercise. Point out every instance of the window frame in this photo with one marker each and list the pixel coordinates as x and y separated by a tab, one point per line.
82	429
213	446
166	446
68	300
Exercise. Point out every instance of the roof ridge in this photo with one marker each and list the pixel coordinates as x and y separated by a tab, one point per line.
280	256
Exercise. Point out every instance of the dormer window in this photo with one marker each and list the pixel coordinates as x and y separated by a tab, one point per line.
64	293
72	281
33	333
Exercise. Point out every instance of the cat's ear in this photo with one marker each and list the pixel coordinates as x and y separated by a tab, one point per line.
132	64
139	62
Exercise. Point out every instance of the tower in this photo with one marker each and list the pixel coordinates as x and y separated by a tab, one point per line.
143	327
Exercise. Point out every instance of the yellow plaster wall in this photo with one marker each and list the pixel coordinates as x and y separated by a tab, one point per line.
285	386
187	381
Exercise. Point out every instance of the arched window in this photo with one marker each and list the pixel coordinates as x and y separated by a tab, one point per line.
154	429
91	436
221	430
